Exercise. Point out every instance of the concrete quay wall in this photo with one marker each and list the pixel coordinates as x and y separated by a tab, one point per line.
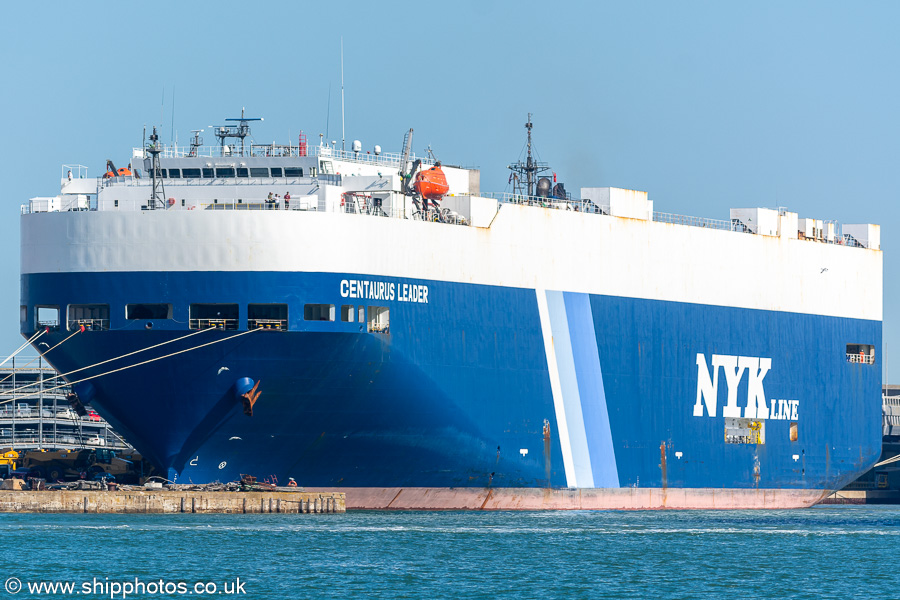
170	501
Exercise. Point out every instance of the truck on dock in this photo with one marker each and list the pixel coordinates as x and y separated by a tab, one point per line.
89	463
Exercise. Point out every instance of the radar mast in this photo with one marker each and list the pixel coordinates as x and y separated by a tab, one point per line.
240	131
528	170
158	194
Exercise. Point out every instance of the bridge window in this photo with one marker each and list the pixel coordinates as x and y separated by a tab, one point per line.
148	311
348	313
243	172
318	312
191	173
744	431
293	172
47	316
208	174
276	171
23	313
379	319
267	316
861	353
259	172
174	173
91	316
226	172
217	316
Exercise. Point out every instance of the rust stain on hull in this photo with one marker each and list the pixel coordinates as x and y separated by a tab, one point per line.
576	499
547	449
250	398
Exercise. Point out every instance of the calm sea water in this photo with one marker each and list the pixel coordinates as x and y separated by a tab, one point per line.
826	552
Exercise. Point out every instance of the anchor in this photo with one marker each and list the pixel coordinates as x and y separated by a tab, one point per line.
250	398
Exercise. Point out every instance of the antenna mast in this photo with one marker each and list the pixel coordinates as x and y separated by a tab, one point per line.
196	142
240	131
172	135
343	135
529	169
158	193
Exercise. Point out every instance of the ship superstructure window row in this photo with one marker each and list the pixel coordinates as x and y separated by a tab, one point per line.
231	172
217	315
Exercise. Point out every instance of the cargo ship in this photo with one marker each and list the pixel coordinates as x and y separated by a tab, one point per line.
373	323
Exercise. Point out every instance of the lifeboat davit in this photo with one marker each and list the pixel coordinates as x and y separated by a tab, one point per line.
120	172
431	184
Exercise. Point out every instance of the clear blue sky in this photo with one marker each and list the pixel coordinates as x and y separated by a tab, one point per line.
705	105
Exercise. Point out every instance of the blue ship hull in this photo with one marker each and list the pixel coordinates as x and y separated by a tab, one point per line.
460	392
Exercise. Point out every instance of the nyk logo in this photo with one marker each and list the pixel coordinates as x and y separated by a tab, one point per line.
734	367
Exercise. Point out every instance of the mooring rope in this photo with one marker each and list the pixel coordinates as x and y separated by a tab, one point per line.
25	345
41	355
45	390
108	360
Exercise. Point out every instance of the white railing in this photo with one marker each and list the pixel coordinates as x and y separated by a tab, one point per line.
576	205
229	324
277	324
276	150
860	358
690	221
303	203
849	240
89	324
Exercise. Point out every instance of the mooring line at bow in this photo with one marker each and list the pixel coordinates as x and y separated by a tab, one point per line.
46	390
108	360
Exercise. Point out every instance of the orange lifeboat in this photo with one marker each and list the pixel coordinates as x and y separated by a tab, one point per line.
112	171
431	184
118	172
